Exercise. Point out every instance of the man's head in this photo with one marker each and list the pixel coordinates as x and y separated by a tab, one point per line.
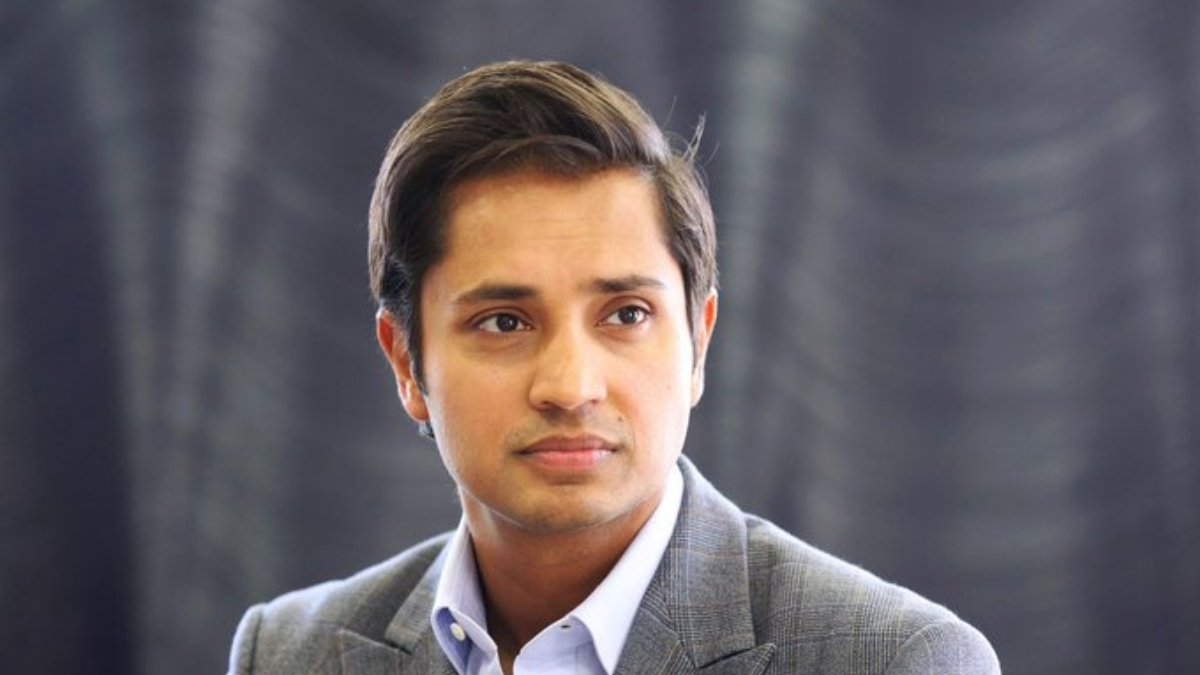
552	117
544	267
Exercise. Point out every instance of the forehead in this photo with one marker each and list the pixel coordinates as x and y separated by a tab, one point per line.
525	221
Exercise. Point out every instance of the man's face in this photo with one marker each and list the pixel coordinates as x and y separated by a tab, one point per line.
558	360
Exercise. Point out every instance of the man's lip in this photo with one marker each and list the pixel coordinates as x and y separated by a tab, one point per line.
586	443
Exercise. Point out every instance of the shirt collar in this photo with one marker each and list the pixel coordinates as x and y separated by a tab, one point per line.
458	601
607	613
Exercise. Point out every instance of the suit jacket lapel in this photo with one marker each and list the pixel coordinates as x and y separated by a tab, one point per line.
695	616
409	645
362	656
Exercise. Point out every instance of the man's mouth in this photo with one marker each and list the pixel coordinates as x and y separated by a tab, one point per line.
569	453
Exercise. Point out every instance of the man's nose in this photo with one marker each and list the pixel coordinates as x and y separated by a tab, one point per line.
569	373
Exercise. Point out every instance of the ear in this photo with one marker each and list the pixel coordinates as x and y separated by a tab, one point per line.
394	343
704	330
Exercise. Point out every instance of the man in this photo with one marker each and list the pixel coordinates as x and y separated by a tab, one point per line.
544	264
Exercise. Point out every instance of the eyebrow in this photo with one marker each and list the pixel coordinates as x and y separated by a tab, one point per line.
625	284
492	292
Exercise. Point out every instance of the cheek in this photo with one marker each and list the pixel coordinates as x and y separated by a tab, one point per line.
458	384
469	441
469	406
661	399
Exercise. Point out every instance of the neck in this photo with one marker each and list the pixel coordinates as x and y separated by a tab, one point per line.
531	579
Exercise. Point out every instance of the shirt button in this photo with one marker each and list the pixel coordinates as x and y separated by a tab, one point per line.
458	632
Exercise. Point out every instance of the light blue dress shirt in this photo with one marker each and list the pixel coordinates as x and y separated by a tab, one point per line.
588	640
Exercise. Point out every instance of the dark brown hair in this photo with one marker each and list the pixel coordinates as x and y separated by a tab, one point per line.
552	117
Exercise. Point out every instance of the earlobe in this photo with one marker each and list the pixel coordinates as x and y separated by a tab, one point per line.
394	343
704	330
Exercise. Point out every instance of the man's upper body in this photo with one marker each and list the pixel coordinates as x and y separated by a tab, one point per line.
545	268
732	594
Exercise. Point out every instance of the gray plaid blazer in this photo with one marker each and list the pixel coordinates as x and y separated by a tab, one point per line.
733	594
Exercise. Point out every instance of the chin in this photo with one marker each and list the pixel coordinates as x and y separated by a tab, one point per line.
560	518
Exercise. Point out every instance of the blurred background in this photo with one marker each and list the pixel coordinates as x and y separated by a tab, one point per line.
960	322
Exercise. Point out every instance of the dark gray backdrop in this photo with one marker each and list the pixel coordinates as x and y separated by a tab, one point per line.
958	338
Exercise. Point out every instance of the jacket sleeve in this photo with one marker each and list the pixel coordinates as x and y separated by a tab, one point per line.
241	655
949	647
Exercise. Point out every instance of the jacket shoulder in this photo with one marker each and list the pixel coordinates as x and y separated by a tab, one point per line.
300	627
825	613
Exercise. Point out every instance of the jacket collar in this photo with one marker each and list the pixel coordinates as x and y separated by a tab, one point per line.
694	618
408	646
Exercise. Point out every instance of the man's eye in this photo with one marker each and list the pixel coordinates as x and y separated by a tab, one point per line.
502	323
629	315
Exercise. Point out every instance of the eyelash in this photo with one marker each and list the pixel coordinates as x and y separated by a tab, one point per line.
494	318
644	314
